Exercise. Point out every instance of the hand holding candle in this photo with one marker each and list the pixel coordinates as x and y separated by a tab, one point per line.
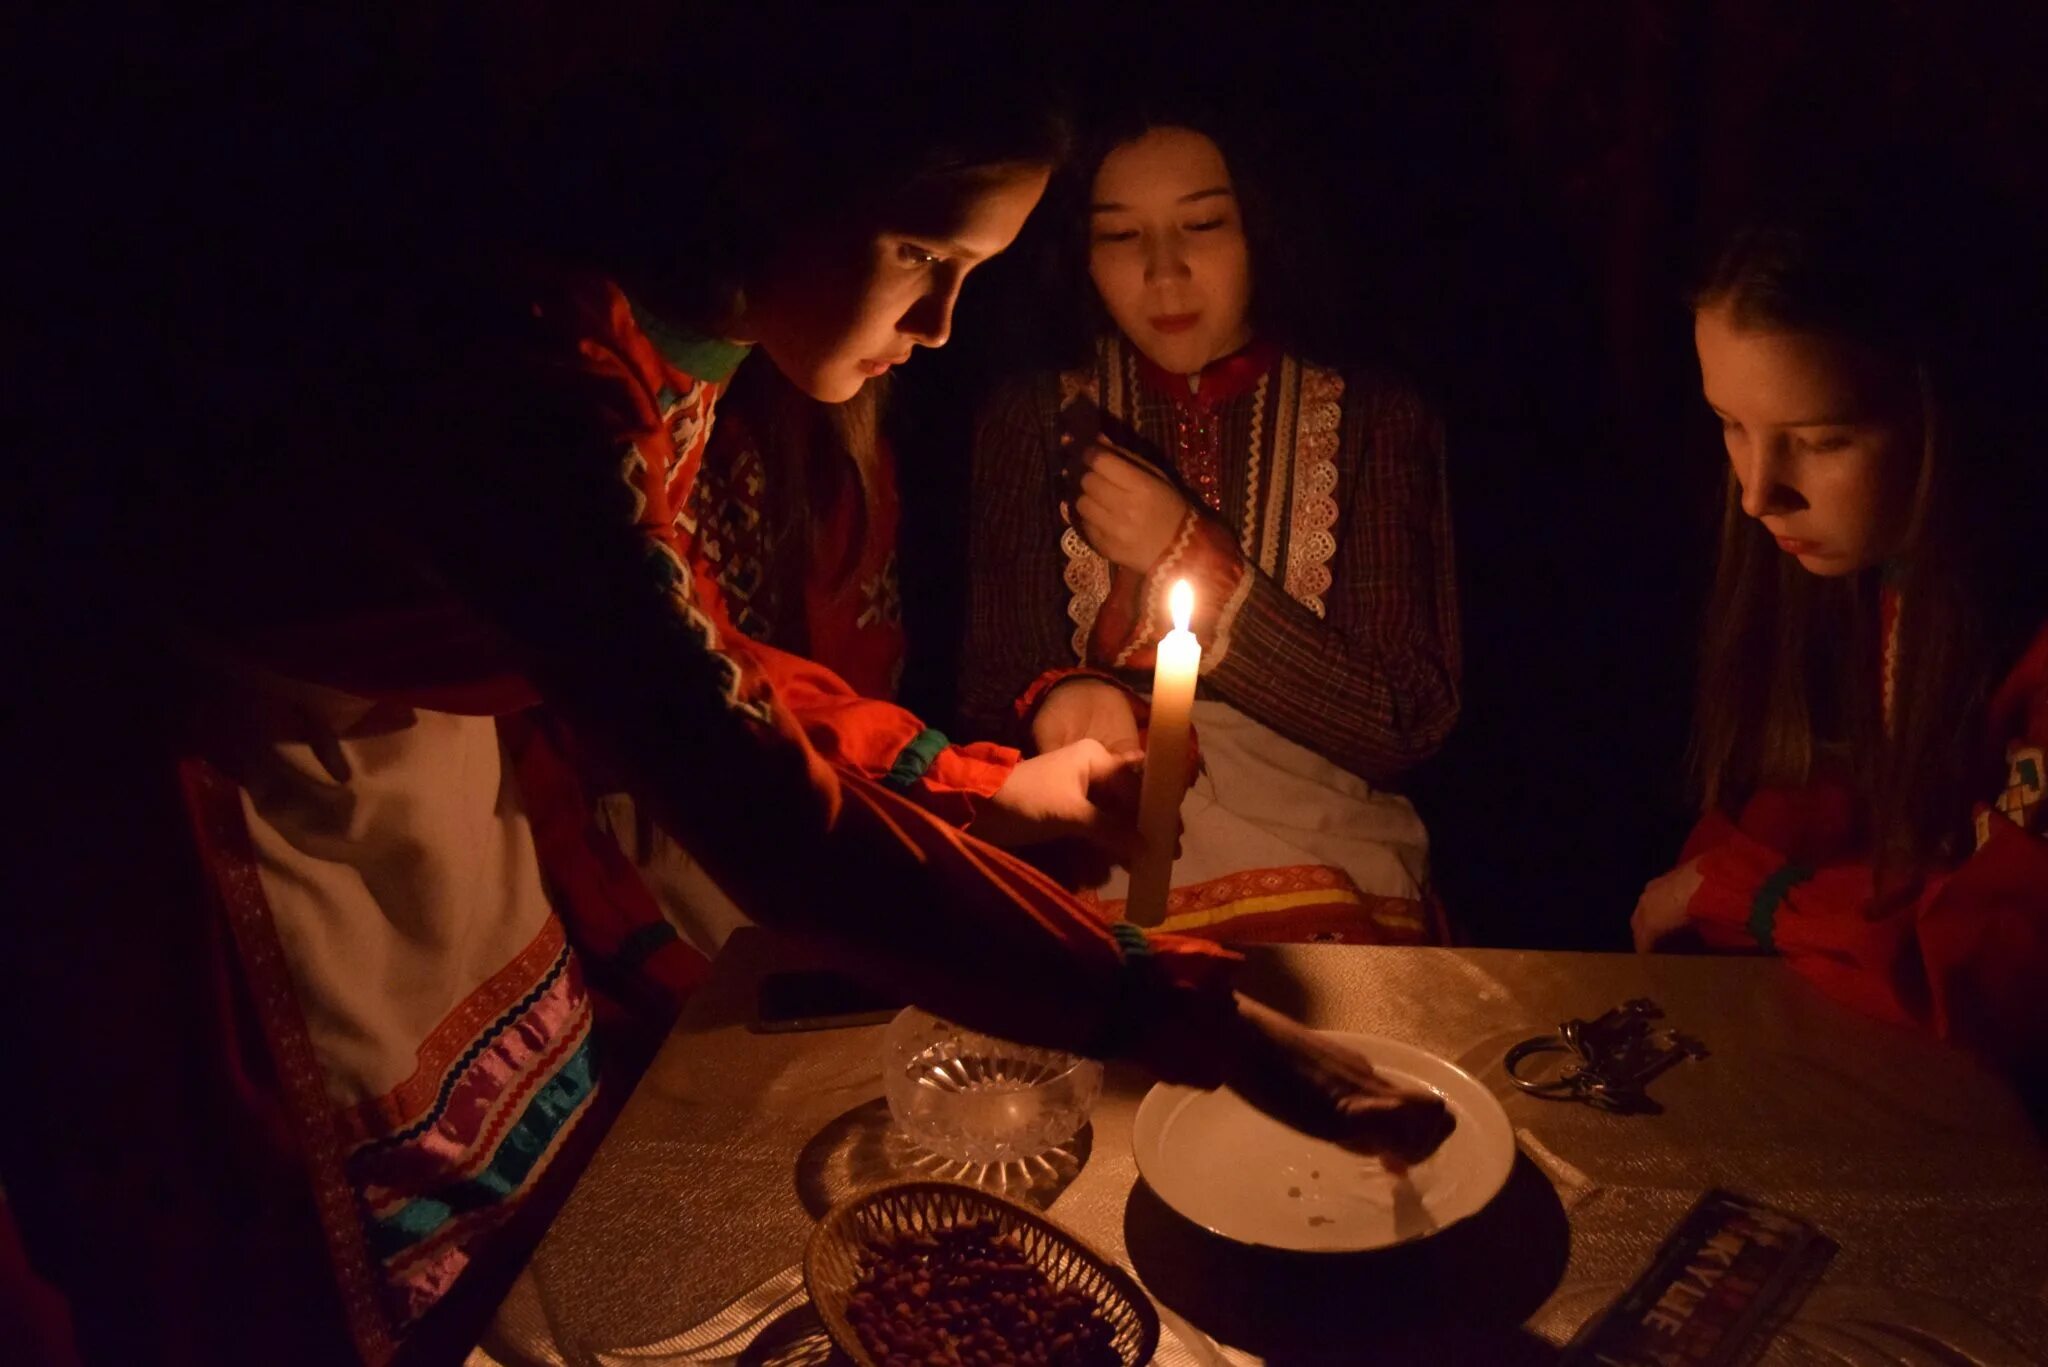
1166	762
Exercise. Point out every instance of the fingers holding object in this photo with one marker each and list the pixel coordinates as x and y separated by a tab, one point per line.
1095	515
1115	467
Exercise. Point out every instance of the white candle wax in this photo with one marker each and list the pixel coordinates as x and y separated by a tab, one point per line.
1166	762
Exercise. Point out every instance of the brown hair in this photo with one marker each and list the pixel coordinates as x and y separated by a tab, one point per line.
814	454
673	171
1790	670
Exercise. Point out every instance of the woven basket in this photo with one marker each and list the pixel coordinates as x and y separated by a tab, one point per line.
832	1259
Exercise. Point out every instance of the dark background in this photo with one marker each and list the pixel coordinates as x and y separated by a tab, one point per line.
1516	193
1513	192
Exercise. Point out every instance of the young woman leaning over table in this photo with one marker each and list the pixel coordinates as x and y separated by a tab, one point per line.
1874	692
375	1042
796	509
1306	505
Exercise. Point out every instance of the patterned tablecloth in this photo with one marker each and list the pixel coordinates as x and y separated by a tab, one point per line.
1919	1163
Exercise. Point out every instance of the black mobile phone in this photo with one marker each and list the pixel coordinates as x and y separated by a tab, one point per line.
1082	423
821	1000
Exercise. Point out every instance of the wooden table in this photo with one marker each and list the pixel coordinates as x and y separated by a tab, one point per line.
1918	1161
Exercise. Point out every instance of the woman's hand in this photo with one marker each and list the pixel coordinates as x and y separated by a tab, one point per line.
1660	911
1125	512
1076	790
1086	709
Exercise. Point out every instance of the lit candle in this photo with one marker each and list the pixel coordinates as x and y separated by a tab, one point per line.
1166	762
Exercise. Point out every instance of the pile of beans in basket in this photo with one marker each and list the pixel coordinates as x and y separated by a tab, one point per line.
968	1297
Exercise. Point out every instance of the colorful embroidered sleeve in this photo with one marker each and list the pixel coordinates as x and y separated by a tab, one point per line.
1374	682
885	742
1964	956
735	550
1017	626
601	597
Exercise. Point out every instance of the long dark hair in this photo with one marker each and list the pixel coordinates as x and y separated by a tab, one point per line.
814	456
1287	253
1791	661
684	171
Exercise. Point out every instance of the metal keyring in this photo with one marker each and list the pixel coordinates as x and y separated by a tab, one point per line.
1565	1084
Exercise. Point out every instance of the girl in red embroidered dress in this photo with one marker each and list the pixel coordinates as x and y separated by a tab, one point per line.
797	511
1874	690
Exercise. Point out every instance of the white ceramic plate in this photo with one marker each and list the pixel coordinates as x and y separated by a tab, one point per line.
1243	1175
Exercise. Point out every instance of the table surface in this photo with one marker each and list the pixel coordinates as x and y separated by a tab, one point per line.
1916	1160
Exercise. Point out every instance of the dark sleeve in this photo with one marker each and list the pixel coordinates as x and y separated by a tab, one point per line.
1373	683
541	519
1017	625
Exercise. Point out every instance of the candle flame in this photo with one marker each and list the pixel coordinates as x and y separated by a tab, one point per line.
1182	603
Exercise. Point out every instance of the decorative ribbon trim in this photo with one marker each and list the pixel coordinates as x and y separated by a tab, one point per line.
220	826
1131	941
1312	521
1135	991
1888	628
1087	579
2022	801
1087	573
1266	509
1770	895
915	758
696	355
1249	540
1154	618
1225	620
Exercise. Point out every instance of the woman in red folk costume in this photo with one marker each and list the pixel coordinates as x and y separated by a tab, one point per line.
1874	690
317	1110
796	510
1306	506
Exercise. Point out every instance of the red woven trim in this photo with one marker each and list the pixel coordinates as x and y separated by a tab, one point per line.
509	1110
407	1101
1033	697
1334	911
214	804
1335	923
1235	887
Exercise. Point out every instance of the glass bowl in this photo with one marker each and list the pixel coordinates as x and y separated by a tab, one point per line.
978	1099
